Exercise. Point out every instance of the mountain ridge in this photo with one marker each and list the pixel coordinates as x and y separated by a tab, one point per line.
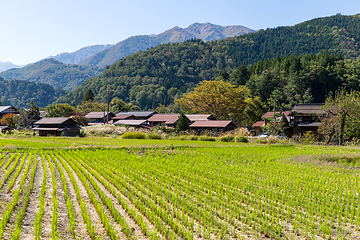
205	31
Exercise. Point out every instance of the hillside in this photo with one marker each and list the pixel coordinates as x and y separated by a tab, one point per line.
53	72
19	93
165	72
204	31
79	55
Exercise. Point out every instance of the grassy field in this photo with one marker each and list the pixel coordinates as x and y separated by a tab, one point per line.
108	188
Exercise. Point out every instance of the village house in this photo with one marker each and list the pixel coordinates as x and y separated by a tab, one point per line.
142	115
216	126
167	120
133	123
96	118
267	118
6	110
200	117
57	126
306	117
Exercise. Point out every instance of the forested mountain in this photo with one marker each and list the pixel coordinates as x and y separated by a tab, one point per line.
162	73
79	55
53	72
7	65
204	31
19	93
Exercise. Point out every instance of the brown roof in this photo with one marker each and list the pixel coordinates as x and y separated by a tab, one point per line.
270	114
52	120
97	114
130	122
259	124
198	117
308	109
123	116
164	118
213	124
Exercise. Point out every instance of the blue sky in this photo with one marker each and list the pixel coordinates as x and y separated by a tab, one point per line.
33	30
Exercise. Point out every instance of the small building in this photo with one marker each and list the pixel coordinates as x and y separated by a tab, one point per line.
96	118
5	129
306	117
257	127
270	115
57	126
133	123
200	117
142	115
216	126
167	120
6	110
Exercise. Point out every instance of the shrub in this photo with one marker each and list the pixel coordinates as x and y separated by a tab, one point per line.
154	136
207	138
226	138
193	137
308	138
134	135
241	139
242	131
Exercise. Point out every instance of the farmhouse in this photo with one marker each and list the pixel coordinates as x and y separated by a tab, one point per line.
305	117
142	115
216	126
133	123
200	117
257	127
7	109
167	120
57	126
96	118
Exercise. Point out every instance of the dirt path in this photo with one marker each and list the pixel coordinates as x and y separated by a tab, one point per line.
99	228
33	208
80	230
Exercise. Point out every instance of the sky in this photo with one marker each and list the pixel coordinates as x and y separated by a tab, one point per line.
33	30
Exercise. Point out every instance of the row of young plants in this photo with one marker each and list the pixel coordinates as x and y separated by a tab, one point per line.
187	193
243	191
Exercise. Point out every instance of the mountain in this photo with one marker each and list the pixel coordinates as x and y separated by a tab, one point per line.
79	55
7	65
53	72
163	73
19	93
204	31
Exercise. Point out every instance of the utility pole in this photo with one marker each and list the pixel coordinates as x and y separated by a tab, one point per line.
108	107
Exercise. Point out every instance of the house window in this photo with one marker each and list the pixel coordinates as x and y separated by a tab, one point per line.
298	118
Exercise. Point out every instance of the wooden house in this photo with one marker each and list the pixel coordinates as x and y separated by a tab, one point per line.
7	109
167	120
96	118
306	117
57	126
200	117
216	126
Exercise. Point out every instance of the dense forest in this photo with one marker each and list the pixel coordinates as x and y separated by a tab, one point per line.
163	73
20	93
53	72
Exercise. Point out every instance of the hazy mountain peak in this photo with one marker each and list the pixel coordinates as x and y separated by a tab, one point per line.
205	31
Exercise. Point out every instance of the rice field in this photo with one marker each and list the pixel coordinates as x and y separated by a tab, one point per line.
238	191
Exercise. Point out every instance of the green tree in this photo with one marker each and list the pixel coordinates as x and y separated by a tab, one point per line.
59	110
342	111
182	124
223	100
89	95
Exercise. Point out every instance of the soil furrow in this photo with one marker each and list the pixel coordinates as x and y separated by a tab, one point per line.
27	231
80	230
47	217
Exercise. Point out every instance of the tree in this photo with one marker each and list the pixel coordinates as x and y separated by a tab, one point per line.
254	110
34	111
223	100
59	110
91	106
182	124
8	120
341	112
89	95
